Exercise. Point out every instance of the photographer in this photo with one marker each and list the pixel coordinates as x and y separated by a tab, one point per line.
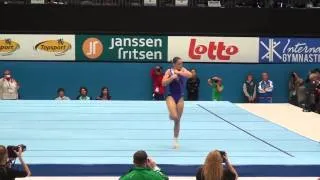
158	89
144	169
312	91
295	83
213	168
6	171
217	87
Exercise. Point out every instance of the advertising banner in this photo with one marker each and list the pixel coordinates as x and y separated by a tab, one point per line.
289	50
214	49
122	48
37	47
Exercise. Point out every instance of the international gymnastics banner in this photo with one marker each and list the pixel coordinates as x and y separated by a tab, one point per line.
289	50
37	47
122	48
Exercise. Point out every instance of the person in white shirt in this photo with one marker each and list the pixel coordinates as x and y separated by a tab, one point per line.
61	95
265	89
8	87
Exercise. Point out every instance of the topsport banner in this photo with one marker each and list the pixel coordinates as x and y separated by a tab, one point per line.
37	47
289	50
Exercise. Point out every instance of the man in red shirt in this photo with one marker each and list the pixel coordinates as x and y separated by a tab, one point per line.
158	89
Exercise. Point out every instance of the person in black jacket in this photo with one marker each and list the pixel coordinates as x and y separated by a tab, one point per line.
7	172
250	89
213	168
193	86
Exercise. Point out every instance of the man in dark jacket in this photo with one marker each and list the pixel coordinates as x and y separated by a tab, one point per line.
193	86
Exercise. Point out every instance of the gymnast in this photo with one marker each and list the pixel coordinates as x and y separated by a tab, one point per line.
175	78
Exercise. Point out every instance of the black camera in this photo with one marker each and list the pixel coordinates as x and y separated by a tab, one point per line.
223	153
11	150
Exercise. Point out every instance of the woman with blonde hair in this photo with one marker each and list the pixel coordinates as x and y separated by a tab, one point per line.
6	171
213	168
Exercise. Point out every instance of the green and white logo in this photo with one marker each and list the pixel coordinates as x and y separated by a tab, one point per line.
128	48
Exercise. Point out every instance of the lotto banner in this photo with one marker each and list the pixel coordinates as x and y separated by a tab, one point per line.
122	48
289	50
37	47
214	49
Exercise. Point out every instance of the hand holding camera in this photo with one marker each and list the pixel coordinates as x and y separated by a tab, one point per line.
151	163
16	151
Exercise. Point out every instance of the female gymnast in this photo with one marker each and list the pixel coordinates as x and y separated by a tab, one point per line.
175	78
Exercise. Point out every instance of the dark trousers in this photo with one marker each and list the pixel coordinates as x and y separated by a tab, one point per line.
193	96
158	97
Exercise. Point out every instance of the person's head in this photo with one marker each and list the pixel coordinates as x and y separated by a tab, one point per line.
158	70
105	92
265	76
213	168
194	73
3	155
83	91
249	77
140	158
7	74
60	92
177	63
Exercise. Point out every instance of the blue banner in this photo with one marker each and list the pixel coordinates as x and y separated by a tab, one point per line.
289	50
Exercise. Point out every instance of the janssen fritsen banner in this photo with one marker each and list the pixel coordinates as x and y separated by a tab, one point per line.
289	50
214	49
122	48
37	47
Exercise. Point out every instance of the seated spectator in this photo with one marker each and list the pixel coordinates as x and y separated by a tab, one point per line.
144	169
265	89
217	87
8	87
61	95
158	89
193	84
105	94
213	168
295	83
6	171
250	89
83	94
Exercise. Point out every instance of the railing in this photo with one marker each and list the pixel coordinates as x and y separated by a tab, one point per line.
173	3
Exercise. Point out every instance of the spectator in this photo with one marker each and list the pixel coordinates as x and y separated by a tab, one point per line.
83	94
158	89
144	169
217	87
193	84
312	91
8	173
213	168
295	83
8	87
250	89
105	94
61	95
265	89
